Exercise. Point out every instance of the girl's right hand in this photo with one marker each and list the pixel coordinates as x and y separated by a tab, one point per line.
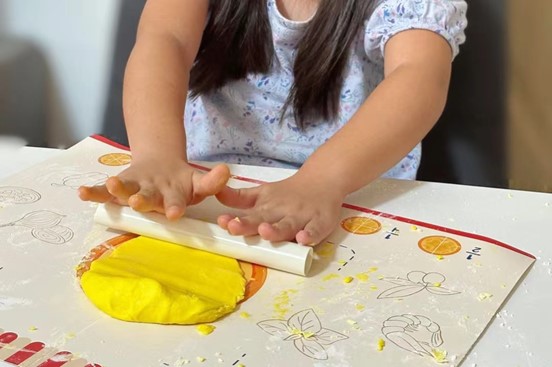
166	187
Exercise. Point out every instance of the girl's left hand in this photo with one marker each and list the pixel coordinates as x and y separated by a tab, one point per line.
287	210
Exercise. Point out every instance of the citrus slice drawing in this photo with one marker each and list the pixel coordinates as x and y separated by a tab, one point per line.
439	245
254	274
115	159
361	225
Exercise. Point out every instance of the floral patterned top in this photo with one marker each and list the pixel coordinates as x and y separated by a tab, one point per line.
240	122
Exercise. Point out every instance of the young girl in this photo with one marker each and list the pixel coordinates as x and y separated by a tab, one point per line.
344	90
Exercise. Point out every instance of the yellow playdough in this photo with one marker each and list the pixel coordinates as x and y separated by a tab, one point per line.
147	280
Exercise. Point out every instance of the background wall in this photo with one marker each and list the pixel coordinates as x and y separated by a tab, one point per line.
76	39
496	130
530	95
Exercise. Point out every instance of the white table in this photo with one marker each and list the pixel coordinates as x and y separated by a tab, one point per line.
520	335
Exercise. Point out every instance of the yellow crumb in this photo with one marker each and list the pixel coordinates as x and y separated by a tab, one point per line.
414	228
373	287
503	286
205	329
341	262
440	257
373	269
201	359
245	315
181	362
304	334
437	284
381	344
484	296
353	324
363	277
326	249
380	277
439	355
33	328
330	276
360	307
240	365
348	279
282	302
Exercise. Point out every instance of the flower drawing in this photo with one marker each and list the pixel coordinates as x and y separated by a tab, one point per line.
305	331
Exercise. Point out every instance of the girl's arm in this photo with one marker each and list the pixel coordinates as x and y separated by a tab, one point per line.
395	117
389	124
157	75
155	91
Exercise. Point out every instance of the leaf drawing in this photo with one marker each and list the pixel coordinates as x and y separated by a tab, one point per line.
306	321
275	327
402	291
311	348
415	282
440	291
397	281
327	337
305	330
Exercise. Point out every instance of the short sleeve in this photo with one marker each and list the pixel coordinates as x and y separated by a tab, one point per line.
389	17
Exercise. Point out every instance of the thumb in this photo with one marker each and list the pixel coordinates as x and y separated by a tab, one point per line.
238	198
210	183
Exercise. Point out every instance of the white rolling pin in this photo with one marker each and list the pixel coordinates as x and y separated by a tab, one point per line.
285	256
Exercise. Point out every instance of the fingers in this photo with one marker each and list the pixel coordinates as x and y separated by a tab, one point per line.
174	205
114	189
283	230
244	226
146	200
209	183
313	233
223	220
121	189
168	201
238	198
289	228
98	194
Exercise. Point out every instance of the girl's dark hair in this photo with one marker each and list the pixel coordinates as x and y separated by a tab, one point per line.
237	41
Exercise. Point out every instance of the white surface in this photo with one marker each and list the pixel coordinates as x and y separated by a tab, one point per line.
206	236
520	334
76	38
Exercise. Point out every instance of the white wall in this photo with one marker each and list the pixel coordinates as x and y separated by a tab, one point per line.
77	39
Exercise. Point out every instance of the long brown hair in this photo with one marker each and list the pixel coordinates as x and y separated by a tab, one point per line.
237	41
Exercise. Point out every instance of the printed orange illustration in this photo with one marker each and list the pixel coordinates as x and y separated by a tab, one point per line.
361	225
439	245
115	159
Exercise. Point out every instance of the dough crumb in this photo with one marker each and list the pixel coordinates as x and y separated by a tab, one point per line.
380	345
484	296
205	329
439	355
